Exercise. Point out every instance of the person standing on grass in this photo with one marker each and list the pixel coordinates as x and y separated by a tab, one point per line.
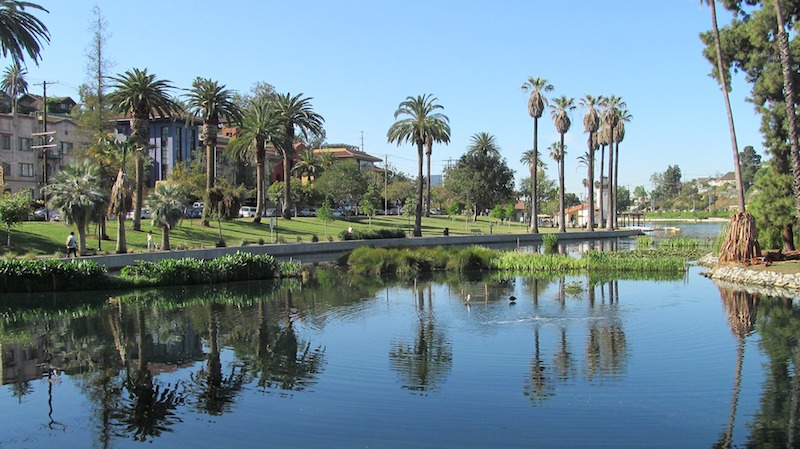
72	245
150	240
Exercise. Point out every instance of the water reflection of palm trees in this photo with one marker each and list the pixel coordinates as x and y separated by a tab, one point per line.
423	365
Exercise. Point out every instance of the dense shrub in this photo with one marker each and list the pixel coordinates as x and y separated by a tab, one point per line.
51	275
372	234
228	268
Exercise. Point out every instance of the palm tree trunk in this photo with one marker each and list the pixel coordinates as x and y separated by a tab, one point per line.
562	225
165	238
788	92
616	181
81	238
590	222
534	180
259	183
122	242
418	214
428	182
139	194
210	175
287	186
611	213
600	200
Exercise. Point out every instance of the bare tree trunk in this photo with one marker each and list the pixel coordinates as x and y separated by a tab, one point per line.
600	200
590	222
428	182
562	225
616	183
122	242
139	193
165	238
418	214
724	85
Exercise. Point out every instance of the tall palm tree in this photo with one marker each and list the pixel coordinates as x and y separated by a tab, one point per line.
610	117
725	85
14	84
483	143
120	190
439	133
141	96
536	104
788	92
258	128
212	102
619	136
20	31
559	111
74	192
294	113
531	158
557	153
166	205
420	117
603	141
591	123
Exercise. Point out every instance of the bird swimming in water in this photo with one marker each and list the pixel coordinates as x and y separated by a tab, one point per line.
512	298
466	300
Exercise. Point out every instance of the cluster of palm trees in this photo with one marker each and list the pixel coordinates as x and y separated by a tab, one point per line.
604	121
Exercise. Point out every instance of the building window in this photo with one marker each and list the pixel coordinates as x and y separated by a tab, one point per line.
179	144
164	152
24	143
66	147
26	170
5	142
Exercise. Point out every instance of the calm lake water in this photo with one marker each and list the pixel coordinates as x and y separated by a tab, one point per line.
345	362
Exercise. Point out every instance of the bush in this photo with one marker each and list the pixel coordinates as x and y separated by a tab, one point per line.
51	275
372	234
228	268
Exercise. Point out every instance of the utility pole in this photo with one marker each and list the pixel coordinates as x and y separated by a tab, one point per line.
362	141
47	139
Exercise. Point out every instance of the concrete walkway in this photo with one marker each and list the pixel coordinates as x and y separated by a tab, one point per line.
328	251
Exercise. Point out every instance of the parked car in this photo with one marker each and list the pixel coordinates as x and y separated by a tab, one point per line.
270	212
39	215
144	215
307	212
194	212
247	211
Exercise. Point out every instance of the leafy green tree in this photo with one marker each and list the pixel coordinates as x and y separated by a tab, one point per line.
166	204
14	209
20	31
259	126
455	208
750	162
480	179
773	209
624	201
191	177
547	193
666	185
536	105
75	193
309	165
399	189
294	114
141	96
344	182
325	214
369	203
420	120
498	212
211	102
640	195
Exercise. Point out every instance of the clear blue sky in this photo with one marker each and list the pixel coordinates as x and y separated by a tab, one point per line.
358	59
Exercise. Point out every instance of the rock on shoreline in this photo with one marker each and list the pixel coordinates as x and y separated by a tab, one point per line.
768	283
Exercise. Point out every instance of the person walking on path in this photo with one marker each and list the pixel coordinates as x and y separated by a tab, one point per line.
72	245
150	240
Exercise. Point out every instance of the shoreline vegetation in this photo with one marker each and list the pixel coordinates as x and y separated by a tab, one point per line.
40	275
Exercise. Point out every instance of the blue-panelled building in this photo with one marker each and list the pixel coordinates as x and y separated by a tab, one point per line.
172	141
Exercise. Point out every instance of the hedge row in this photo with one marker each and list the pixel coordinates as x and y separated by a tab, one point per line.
228	268
17	275
372	234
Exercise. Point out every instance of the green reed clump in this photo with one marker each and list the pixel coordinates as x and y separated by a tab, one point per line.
550	242
644	241
18	275
528	262
472	258
372	261
637	261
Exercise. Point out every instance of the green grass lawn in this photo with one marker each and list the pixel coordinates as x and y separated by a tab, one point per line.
35	238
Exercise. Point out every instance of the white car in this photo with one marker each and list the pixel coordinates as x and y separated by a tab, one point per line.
145	214
247	211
